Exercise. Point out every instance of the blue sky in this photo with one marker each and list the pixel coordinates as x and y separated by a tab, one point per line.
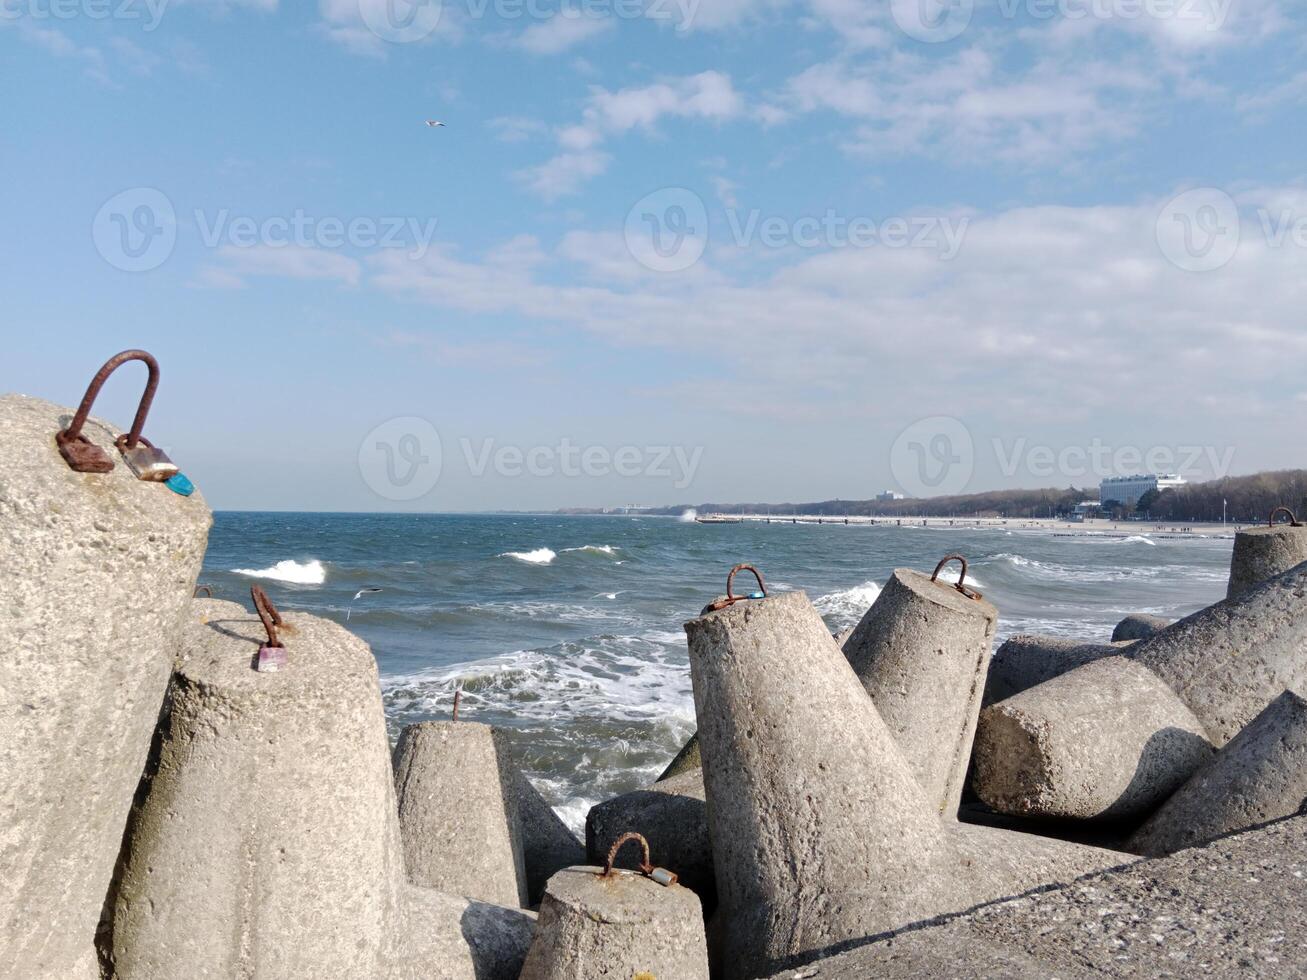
668	251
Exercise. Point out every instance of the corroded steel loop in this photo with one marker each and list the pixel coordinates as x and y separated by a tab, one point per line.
1293	521
646	865
267	613
74	430
731	598
208	592
934	577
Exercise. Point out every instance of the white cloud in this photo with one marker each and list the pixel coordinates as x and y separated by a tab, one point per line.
237	265
563	31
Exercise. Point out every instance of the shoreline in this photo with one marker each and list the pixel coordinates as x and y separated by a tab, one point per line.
1055	526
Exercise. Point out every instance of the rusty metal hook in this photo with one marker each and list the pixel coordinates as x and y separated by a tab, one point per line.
458	696
267	612
961	578
74	446
731	598
1293	521
208	592
646	867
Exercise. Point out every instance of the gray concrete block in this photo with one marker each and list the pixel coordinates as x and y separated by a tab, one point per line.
457	814
622	925
1139	626
98	569
1228	661
267	843
1261	553
1260	775
1106	740
820	832
687	760
1005	863
673	817
548	846
1233	908
1028	659
921	651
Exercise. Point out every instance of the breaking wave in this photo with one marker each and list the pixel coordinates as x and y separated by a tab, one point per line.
541	556
300	573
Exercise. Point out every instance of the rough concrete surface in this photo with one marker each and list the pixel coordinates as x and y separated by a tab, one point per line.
547	845
687	760
623	925
1234	908
1261	553
819	830
457	814
267	843
921	651
1139	626
97	569
673	817
1028	659
1106	740
1259	776
1004	863
1228	661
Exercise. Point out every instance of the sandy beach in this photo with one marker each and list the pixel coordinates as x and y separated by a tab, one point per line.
1055	526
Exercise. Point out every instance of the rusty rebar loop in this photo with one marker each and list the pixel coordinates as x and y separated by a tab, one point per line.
646	866
934	576
1293	521
267	613
730	582
458	696
74	430
208	592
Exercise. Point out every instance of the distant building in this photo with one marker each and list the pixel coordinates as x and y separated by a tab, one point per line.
1085	510
887	495
1128	489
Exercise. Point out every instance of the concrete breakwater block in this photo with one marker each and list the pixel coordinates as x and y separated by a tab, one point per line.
1106	740
921	651
1004	863
1260	775
267	842
548	846
596	925
820	832
1228	661
98	569
1261	553
672	815
457	801
687	760
1139	626
1028	659
1232	908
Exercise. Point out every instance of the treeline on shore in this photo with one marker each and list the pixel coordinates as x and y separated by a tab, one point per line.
1247	499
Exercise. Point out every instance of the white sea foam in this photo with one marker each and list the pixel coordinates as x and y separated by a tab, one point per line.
848	605
950	573
541	556
688	516
300	573
595	549
1138	539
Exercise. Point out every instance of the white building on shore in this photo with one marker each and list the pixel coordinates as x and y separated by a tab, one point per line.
1128	489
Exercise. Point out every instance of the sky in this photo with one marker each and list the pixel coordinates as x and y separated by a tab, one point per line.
662	251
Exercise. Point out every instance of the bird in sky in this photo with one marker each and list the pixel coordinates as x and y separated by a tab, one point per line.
434	122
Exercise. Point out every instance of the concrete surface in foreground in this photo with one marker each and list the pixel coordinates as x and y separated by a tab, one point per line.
1236	907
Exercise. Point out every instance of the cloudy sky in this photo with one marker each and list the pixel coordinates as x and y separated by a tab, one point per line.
663	250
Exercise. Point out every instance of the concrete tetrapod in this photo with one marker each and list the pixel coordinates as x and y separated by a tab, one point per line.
1139	626
267	840
819	830
1264	552
455	785
597	923
1106	740
921	651
547	845
1028	659
98	569
1259	776
1227	662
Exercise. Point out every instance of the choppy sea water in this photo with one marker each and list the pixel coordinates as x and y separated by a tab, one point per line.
567	630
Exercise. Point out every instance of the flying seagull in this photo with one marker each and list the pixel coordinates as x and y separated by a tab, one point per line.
361	592
434	122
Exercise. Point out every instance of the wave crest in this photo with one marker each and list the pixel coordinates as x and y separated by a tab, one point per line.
541	556
300	573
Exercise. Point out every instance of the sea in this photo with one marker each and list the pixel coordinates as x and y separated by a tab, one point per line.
567	631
